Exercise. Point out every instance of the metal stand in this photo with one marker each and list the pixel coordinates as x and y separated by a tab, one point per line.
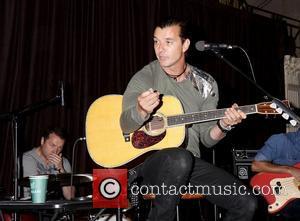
119	214
97	215
216	215
275	100
16	165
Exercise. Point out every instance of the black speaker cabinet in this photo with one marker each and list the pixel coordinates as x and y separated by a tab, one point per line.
242	159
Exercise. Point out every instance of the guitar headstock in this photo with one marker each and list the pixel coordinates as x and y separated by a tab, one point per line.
268	107
285	112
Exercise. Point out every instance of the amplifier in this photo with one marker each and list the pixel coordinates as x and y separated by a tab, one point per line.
240	155
242	159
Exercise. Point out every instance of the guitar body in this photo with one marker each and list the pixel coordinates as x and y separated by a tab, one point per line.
105	141
277	188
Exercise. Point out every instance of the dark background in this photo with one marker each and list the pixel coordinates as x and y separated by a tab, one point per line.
95	47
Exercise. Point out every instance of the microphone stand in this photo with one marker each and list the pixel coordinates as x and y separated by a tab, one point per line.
15	116
278	102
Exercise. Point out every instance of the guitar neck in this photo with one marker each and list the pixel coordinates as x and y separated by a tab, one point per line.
203	116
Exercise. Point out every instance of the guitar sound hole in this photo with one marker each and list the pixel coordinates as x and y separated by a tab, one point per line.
156	123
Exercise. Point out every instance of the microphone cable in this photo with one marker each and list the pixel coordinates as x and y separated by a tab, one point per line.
73	157
249	62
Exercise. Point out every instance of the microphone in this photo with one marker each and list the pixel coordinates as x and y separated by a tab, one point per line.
62	95
202	46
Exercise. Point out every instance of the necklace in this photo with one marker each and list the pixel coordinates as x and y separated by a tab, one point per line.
176	76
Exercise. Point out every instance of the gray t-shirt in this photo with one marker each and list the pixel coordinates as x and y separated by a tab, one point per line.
33	164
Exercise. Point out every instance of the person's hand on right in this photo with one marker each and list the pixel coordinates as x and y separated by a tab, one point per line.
295	172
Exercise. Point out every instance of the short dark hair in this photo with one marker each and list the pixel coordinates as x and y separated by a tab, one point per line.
184	32
61	132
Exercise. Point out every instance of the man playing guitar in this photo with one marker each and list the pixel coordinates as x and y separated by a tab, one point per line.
197	91
276	161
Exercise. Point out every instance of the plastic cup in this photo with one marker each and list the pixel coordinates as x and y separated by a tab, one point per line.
38	188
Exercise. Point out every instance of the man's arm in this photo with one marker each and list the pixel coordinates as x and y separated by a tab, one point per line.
63	166
210	132
132	117
264	166
233	116
68	191
144	104
273	149
29	168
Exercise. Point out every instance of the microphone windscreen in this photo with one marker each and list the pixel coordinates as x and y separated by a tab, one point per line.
200	45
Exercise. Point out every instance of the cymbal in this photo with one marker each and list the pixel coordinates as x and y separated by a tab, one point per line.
62	179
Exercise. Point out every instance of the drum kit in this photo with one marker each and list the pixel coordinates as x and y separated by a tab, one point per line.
62	179
78	180
56	181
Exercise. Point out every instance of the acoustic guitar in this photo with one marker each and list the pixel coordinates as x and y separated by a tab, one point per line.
109	147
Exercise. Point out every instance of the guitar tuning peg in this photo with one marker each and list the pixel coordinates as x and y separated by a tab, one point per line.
285	116
279	110
273	105
293	123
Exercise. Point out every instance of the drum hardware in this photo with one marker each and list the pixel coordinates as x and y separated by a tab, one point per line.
82	198
62	179
56	181
107	217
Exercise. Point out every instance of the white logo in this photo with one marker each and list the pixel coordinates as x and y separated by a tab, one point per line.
110	188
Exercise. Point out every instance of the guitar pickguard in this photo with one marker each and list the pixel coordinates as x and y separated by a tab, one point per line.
141	140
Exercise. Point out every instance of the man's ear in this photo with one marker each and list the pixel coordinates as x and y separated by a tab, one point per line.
186	45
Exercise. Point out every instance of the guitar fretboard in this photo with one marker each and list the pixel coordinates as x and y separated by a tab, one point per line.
205	116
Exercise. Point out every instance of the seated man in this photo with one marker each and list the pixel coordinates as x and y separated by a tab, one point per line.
197	91
278	155
48	159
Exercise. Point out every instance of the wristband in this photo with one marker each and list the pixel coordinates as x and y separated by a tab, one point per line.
222	128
